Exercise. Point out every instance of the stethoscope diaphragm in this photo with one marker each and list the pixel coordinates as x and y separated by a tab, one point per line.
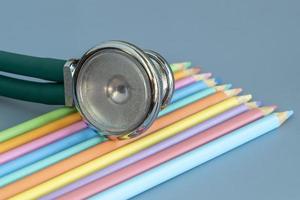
118	88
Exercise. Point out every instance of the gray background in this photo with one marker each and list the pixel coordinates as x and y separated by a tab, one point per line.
251	44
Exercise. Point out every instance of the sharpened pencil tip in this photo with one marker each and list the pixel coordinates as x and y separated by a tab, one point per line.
244	98
223	87
208	74
283	116
218	80
290	113
228	86
253	104
187	64
239	90
233	92
210	82
202	76
274	107
175	67
194	70
259	103
181	64
268	109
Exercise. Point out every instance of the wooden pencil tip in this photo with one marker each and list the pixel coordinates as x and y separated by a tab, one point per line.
274	107
259	103
180	66
223	87
253	104
184	64
233	92
210	82
202	76
244	98
283	116
228	86
194	70
267	109
207	74
239	90
187	64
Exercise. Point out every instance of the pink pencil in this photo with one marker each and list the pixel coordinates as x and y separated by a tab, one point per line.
191	79
167	154
35	144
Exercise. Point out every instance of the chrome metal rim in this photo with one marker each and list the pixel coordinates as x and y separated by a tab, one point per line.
157	85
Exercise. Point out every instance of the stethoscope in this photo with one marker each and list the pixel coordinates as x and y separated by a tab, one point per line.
117	87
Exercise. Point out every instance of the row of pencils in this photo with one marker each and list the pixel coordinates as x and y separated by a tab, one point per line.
56	156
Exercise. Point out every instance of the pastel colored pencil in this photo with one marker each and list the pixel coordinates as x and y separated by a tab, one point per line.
191	79
192	159
14	153
43	163
186	72
40	142
47	150
166	154
180	66
32	168
195	87
35	123
154	149
114	156
192	108
39	132
192	98
108	146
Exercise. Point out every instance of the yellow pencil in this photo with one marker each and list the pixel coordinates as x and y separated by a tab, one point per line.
129	149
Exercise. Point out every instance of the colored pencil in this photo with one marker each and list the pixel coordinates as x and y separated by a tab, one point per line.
192	108
111	145
154	149
41	164
35	123
191	79
195	87
194	158
180	66
47	150
168	153
116	155
49	117
38	122
192	98
40	142
185	73
14	153
39	132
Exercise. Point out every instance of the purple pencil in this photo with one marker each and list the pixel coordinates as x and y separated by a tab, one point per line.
191	79
154	149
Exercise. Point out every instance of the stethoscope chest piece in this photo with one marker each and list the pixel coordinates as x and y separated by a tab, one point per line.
118	88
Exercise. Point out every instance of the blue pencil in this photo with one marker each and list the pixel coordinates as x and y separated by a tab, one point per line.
192	88
37	155
48	150
181	164
192	98
50	160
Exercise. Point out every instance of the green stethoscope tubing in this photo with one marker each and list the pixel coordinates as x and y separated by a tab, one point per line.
44	68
